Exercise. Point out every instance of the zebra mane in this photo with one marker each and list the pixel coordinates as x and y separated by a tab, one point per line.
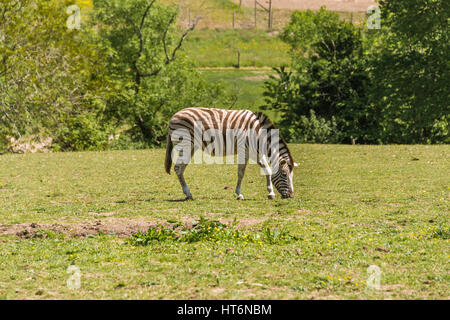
267	124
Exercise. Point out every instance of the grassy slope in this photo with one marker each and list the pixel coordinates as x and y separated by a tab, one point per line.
247	84
218	48
355	206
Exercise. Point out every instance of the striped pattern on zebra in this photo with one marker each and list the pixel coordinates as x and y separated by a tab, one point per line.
221	120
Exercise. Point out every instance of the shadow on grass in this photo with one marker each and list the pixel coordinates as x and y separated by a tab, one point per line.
203	199
130	201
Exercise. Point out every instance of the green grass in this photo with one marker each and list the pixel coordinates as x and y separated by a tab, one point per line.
218	48
206	230
247	85
354	206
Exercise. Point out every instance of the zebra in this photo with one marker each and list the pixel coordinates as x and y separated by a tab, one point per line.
221	120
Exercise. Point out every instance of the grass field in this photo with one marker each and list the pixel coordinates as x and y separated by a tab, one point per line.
247	84
218	48
354	206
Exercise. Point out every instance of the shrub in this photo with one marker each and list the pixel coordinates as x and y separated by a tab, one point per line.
313	129
380	86
48	74
323	97
211	231
81	132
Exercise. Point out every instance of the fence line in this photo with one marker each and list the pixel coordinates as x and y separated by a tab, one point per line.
259	17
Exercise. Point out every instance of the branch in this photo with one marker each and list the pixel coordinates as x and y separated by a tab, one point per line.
169	57
164	39
180	42
141	37
145	14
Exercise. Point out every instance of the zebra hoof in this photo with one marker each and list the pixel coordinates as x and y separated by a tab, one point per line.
188	198
271	196
240	197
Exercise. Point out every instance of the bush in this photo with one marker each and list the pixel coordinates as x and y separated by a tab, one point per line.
75	86
128	140
313	129
323	97
81	132
48	75
376	86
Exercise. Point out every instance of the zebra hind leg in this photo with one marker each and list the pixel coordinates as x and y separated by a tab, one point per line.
179	169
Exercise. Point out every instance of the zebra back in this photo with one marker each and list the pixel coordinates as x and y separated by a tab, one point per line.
223	120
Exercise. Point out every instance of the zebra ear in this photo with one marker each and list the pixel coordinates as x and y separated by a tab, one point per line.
295	164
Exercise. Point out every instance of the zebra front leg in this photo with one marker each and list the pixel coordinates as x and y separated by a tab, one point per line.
179	169
241	171
271	194
268	173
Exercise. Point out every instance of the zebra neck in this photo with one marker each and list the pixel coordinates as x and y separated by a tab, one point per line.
278	154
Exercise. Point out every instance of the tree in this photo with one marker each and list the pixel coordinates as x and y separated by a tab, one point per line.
327	82
152	80
412	71
48	74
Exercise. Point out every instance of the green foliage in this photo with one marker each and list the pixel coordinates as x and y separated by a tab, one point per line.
377	86
127	71
412	86
151	79
327	82
320	33
440	232
48	73
121	70
209	230
81	132
278	236
314	129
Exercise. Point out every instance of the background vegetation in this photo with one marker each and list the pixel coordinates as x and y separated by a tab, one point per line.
347	84
114	83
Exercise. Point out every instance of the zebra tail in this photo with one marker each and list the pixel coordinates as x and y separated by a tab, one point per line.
169	147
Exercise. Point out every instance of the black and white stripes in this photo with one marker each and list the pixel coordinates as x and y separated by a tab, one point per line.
220	133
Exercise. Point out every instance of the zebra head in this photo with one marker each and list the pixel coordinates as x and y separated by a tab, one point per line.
283	179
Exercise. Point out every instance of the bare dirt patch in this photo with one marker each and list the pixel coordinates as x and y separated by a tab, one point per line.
120	227
256	78
101	214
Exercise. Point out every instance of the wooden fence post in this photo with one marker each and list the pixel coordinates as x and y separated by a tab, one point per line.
270	15
255	14
239	59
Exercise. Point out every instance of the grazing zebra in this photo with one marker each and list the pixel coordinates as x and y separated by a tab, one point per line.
222	122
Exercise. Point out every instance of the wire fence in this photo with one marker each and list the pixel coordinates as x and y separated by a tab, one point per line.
260	16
